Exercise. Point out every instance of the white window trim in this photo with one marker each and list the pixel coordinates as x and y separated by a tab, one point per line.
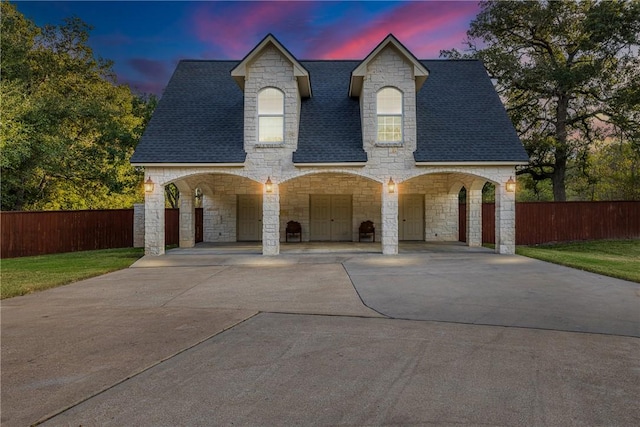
381	143
268	144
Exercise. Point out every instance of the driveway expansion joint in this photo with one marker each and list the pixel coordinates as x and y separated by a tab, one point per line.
139	372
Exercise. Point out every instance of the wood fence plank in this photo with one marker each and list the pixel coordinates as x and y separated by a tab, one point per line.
548	222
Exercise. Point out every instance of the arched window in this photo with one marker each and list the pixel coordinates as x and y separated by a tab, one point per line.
270	115
389	111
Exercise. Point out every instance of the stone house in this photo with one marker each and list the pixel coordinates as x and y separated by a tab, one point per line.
330	144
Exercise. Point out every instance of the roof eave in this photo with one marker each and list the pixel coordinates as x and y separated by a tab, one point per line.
473	163
188	164
329	164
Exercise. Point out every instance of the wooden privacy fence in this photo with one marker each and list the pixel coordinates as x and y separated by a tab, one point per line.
172	226
546	222
39	233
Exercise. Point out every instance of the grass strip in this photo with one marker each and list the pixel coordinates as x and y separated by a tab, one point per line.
20	276
614	258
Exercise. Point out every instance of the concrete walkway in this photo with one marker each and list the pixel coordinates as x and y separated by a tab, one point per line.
233	338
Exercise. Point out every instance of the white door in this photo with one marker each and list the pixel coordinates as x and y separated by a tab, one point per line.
341	218
249	224
320	217
411	217
330	217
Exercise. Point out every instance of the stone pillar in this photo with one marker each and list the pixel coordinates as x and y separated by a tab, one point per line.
389	221
505	220
208	217
474	216
271	222
154	221
187	220
138	225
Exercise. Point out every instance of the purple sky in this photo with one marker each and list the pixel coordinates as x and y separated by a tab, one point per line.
146	39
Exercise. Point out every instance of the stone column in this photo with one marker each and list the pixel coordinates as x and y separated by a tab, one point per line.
208	229
154	220
505	220
474	216
389	221
187	220
138	225
271	222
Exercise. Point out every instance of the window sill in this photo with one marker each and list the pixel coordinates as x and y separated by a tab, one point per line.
269	144
389	143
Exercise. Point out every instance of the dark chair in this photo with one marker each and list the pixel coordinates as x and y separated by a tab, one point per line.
367	229
293	228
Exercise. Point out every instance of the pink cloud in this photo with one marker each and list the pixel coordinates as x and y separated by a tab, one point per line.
327	30
234	28
424	27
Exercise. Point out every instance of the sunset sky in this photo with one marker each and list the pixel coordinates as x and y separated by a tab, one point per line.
147	39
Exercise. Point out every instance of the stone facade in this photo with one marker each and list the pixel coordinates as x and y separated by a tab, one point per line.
138	225
367	184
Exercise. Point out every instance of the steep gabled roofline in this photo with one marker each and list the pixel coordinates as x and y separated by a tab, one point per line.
419	71
239	72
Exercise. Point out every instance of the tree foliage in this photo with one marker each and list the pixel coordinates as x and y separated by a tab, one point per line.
68	129
569	73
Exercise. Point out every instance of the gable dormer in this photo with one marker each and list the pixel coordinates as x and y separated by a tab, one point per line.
419	72
273	82
386	83
240	71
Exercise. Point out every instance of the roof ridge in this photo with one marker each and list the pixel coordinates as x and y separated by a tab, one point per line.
334	60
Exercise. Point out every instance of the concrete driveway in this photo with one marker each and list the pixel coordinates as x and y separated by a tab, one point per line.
219	339
485	289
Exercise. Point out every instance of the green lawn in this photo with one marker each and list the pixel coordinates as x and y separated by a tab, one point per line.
20	276
615	258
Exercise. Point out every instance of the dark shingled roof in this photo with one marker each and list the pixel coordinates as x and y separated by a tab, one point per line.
460	117
200	117
330	130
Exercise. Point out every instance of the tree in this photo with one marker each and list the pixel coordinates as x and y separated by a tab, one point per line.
68	129
612	172
569	73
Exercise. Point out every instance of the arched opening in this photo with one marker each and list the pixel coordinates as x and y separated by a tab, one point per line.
462	215
428	208
453	209
231	207
211	207
329	206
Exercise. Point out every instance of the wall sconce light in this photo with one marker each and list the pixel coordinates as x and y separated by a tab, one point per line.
511	185
268	185
148	186
391	186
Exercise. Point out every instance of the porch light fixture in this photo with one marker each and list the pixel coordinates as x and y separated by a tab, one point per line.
268	185
511	185
148	186
391	186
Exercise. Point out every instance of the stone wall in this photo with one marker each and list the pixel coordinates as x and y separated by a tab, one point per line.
440	206
270	69
220	206
294	200
138	225
389	68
